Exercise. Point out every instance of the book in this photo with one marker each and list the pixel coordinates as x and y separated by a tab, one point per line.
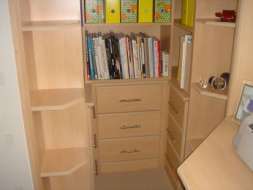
112	11
120	56
162	11
145	11
165	64
129	11
185	62
94	11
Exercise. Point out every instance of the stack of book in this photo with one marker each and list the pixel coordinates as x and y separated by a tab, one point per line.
119	56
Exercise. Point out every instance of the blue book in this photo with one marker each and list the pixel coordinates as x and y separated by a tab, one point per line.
90	49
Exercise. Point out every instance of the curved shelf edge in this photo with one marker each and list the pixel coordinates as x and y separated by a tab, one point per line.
63	162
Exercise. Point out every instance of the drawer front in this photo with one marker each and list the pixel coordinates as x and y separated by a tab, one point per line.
172	157
128	98
176	106
175	135
128	125
128	166
128	149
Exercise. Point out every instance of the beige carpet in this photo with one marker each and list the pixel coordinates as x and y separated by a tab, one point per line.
144	180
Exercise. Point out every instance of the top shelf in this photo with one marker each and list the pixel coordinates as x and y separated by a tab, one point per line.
128	24
56	99
49	25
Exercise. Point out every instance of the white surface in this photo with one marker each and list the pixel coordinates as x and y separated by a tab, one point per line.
15	173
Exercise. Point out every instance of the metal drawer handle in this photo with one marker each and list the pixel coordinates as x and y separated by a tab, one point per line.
173	108
129	151
130	100
124	127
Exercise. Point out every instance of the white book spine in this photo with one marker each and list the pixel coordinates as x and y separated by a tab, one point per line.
156	56
135	60
165	60
151	57
183	63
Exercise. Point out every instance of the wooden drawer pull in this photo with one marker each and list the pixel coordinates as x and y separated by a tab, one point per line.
129	151
130	100
124	127
173	108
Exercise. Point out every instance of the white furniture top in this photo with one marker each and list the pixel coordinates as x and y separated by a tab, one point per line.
215	165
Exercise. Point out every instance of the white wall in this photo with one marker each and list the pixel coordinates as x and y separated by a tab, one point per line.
15	172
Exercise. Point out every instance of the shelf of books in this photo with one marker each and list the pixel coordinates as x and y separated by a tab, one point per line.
124	44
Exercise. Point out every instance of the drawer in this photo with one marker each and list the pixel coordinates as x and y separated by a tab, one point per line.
172	157
128	98
128	149
128	166
175	135
176	106
128	125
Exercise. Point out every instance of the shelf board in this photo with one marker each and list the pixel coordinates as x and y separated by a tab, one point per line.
115	81
56	99
192	144
216	22
183	27
49	25
184	95
211	92
62	162
126	24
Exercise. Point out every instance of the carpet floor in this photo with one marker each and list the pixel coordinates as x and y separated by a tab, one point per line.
143	180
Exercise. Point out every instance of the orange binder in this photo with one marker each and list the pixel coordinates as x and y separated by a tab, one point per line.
112	11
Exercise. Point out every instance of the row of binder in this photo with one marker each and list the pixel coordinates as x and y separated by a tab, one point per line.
127	11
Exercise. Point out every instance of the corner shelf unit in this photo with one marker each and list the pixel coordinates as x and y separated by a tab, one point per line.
56	99
62	162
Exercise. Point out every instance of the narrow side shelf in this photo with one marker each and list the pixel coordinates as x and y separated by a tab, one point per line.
49	25
56	99
62	162
216	22
210	92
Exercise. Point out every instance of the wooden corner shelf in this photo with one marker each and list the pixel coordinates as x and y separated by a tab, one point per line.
62	162
56	99
183	27
211	92
49	25
216	22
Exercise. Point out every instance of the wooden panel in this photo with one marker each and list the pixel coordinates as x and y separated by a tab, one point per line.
66	128
172	174
242	58
51	9
58	58
128	98
172	156
204	115
129	124
175	134
176	106
208	8
128	166
129	149
212	54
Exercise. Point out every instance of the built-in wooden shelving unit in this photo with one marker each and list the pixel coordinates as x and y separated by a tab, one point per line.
183	27
49	25
216	22
209	91
56	99
61	162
